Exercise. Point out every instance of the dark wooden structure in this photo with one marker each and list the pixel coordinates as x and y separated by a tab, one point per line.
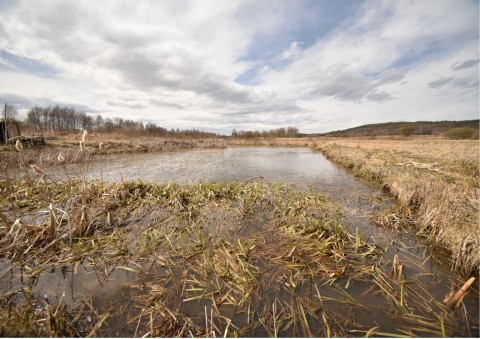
10	133
8	130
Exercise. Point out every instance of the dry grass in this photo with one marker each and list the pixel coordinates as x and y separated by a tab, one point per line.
435	181
67	145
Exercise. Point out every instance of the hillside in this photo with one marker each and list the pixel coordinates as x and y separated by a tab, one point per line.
394	128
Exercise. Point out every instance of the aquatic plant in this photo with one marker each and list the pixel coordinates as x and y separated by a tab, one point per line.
225	259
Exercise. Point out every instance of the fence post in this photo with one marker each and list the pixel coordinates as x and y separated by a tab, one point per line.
5	124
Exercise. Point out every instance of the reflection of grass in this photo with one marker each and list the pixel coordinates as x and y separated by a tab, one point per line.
435	181
237	259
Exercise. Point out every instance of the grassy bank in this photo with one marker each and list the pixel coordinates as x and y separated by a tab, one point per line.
96	145
435	181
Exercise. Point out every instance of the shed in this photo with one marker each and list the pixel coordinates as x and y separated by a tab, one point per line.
8	130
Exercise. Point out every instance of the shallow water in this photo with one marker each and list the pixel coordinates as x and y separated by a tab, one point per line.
302	167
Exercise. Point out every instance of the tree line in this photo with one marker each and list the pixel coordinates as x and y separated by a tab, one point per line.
59	119
289	132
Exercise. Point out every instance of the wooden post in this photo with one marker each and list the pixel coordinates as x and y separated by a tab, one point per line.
5	125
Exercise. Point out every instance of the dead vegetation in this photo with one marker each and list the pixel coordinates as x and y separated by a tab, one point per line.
84	258
204	260
435	182
98	144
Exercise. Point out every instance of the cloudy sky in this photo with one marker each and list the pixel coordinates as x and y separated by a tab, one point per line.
218	65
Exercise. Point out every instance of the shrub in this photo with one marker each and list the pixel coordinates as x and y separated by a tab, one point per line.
462	133
407	129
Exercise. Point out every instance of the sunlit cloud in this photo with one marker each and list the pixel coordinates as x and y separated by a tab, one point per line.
317	65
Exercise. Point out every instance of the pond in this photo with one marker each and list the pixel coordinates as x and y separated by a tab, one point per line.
304	169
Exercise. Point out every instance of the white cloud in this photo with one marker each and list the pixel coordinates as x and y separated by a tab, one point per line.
293	51
175	62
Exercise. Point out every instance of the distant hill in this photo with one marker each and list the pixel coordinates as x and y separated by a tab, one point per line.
394	128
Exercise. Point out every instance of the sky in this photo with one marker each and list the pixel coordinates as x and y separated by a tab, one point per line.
318	65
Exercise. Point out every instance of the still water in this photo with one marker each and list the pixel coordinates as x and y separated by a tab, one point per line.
300	166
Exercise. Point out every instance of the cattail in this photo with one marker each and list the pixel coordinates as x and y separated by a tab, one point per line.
60	159
82	146
456	298
53	222
84	136
17	224
19	146
37	169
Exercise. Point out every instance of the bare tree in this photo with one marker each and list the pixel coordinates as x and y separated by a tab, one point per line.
10	113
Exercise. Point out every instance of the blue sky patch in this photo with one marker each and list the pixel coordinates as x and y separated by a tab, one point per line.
16	63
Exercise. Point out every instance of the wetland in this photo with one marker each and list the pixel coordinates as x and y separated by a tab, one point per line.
242	241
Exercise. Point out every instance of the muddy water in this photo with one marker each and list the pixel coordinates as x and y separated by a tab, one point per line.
302	167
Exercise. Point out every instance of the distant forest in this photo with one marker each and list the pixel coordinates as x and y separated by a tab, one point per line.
66	120
399	128
59	119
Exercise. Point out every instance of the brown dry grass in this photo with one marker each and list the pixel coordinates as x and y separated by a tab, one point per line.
113	143
436	182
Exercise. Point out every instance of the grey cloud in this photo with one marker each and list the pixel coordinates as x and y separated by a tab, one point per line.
390	76
176	71
121	104
466	64
262	108
440	82
166	104
127	38
24	102
467	82
379	96
349	86
343	86
253	116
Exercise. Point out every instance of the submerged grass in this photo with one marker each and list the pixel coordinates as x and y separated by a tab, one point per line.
225	259
435	182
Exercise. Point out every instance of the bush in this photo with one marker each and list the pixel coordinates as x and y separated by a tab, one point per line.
462	133
407	129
